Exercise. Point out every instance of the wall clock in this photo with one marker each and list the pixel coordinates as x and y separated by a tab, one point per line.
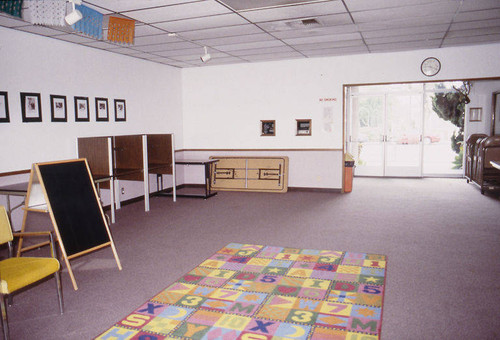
430	66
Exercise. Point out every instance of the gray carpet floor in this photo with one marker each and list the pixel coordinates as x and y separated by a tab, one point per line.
441	236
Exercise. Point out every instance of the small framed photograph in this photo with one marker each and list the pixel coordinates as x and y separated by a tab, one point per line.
101	110
303	127
475	114
268	128
82	109
31	108
4	107
120	110
58	108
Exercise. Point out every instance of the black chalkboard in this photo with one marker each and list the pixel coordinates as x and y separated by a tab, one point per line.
76	210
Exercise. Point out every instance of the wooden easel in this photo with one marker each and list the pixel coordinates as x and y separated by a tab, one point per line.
66	191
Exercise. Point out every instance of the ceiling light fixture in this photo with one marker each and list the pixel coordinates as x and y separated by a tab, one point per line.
206	57
75	14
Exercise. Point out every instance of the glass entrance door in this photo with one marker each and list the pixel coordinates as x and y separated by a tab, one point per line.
403	146
407	130
368	134
386	134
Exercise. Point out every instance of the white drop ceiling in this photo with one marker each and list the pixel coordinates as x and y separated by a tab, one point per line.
174	32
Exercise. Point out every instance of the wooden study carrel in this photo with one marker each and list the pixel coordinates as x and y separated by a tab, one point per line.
66	191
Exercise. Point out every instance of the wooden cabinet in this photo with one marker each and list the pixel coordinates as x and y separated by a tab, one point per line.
264	174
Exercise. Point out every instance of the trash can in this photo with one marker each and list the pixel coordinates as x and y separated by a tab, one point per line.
348	172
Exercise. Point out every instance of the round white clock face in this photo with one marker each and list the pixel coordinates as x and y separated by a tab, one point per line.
430	66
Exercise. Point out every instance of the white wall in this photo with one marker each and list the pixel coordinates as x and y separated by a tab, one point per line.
223	105
30	63
481	97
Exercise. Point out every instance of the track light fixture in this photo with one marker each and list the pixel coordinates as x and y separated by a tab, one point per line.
75	14
206	57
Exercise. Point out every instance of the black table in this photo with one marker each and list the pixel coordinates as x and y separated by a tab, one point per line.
206	163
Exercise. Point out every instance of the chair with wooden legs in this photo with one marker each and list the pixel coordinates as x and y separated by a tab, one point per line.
20	272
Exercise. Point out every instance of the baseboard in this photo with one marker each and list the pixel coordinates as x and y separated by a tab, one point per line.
168	190
307	189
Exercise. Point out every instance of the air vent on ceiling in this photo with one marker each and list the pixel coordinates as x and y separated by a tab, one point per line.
245	5
304	23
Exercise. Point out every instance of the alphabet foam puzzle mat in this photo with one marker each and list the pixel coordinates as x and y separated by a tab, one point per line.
255	292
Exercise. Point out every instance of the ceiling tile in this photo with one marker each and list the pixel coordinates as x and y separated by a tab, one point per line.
471	40
274	56
280	30
7	21
259	44
336	30
474	32
240	5
363	5
295	12
277	49
404	38
336	51
221	32
42	30
328	45
479	5
195	55
221	61
180	52
418	11
404	46
129	5
478	15
100	44
167	47
406	31
75	38
397	24
201	23
179	11
323	38
154	39
335	20
468	25
236	39
125	50
141	30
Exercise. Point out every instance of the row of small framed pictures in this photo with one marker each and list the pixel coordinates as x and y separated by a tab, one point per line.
31	108
268	127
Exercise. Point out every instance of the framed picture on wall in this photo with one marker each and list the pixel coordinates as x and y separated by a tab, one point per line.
475	114
4	107
82	109
31	108
58	108
268	128
303	127
120	110
101	110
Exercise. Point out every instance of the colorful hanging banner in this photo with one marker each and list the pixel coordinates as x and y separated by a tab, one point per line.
12	7
47	12
91	23
121	30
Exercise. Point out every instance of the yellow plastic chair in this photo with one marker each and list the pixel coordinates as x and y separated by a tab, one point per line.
21	272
